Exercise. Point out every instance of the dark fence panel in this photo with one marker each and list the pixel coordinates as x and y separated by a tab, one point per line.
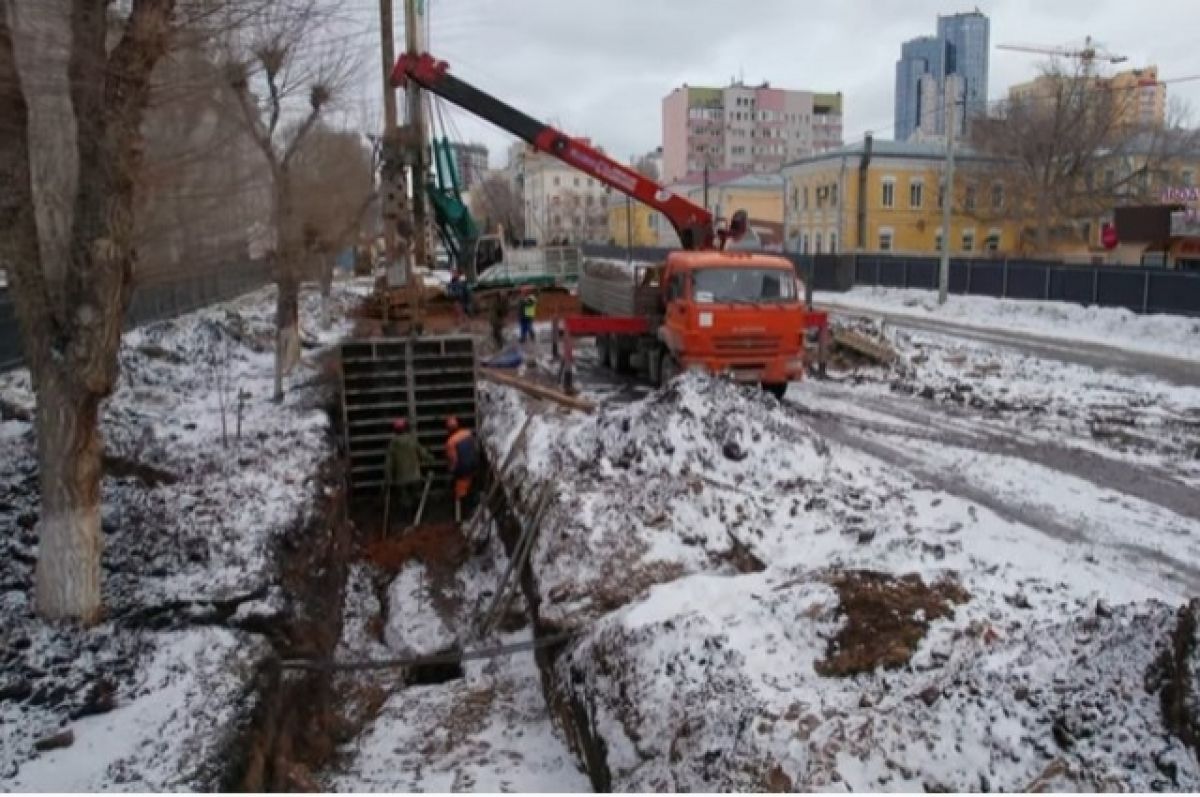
152	302
1142	290
10	334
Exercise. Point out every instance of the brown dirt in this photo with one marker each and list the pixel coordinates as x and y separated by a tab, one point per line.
1172	673
436	545
882	629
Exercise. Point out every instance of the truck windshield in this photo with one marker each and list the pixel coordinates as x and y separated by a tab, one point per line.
757	285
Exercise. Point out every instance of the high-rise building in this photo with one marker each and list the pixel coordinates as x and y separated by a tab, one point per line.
959	49
745	128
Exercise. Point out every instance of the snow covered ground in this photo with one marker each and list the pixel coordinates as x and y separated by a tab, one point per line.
152	695
701	539
1167	335
487	730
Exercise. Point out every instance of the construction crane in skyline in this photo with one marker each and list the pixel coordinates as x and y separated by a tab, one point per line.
1088	54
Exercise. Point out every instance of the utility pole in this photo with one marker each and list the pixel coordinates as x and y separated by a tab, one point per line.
628	231
392	177
415	141
947	201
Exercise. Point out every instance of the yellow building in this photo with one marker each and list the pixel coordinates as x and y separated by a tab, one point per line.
901	210
633	219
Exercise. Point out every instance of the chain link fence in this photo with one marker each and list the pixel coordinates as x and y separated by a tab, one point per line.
152	301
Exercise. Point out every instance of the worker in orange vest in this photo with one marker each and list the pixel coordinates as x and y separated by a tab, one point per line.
462	453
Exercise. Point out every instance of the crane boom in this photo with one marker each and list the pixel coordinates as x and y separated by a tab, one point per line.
693	223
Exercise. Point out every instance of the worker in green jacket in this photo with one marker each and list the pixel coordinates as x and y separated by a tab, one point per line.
405	457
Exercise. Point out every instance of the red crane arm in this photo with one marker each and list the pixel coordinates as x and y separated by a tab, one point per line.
693	223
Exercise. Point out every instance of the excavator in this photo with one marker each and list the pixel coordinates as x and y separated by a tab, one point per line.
712	305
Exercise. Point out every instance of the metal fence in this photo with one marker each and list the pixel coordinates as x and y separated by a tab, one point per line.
1137	288
151	302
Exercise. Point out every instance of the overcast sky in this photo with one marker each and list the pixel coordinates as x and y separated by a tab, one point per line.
600	68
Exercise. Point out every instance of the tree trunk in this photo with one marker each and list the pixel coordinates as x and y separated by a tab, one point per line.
287	325
326	271
1042	225
69	541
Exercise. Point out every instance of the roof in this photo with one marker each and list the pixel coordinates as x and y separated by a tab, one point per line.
884	148
715	177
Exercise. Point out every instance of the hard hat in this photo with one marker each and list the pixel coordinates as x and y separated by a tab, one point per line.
400	424
451	423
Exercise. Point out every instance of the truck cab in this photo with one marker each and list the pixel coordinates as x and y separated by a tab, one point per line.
738	314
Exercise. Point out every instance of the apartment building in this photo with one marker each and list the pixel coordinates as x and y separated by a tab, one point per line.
1141	99
745	128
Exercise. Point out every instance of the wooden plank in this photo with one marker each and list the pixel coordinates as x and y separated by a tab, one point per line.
537	391
856	341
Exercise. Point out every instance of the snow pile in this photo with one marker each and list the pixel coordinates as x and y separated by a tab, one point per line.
701	540
1168	335
191	522
657	489
712	684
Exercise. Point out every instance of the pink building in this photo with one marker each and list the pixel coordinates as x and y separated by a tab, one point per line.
745	128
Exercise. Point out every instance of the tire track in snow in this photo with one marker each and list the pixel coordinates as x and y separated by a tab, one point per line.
871	438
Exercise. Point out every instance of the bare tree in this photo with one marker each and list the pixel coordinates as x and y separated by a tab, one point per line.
71	275
334	174
494	201
204	183
1063	153
645	165
283	92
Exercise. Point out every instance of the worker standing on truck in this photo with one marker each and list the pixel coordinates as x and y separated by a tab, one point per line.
405	457
527	312
462	454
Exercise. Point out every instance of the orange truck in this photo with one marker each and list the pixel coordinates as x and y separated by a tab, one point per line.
732	313
708	306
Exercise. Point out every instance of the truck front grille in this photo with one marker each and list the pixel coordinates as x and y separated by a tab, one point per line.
745	344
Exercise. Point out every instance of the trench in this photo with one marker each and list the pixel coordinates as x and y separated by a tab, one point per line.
569	714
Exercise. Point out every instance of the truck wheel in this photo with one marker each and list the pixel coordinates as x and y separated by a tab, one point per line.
776	389
602	346
668	369
618	359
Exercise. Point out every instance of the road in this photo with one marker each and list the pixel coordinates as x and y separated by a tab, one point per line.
1090	355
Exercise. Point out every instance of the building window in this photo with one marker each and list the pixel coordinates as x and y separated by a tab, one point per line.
968	241
833	195
885	239
832	243
804	244
969	198
993	240
1186	177
916	194
556	181
937	240
889	192
997	196
805	198
941	196
817	244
